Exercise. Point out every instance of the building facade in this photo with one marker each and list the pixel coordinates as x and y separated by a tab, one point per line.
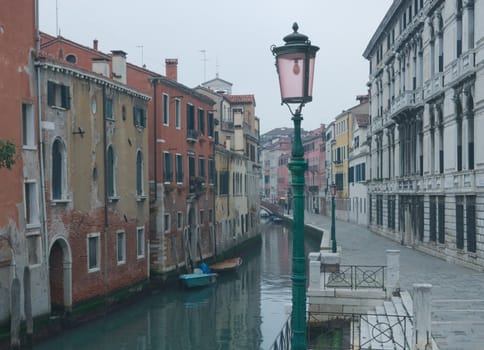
94	132
426	82
238	170
23	242
358	194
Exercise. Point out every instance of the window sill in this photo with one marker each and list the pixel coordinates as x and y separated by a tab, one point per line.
34	231
141	198
60	108
29	148
122	262
32	226
113	199
94	269
140	257
60	201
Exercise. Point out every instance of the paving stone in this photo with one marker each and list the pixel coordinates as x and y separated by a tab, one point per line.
457	298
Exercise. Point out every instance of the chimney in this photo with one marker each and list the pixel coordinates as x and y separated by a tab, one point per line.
94	44
119	66
171	68
100	65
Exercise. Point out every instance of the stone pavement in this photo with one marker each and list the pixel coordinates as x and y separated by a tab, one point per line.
457	292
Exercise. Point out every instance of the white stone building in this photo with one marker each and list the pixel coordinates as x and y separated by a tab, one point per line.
358	154
426	185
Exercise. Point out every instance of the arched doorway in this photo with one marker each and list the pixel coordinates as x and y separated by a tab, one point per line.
60	276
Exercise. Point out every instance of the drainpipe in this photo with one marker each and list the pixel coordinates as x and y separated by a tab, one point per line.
45	249
106	199
155	136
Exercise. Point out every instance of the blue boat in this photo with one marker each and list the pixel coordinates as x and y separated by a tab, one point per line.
193	280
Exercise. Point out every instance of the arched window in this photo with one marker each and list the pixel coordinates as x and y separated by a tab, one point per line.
139	174
111	171
58	170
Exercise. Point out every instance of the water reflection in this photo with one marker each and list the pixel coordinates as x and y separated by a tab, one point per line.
242	311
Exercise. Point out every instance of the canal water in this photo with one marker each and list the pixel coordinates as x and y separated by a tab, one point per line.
242	311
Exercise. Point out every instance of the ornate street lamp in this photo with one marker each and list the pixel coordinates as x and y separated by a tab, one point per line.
333	219
295	67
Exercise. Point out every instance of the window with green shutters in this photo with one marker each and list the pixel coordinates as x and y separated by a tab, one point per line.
58	95
179	168
167	167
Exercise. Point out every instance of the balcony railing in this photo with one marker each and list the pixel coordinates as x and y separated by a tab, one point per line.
462	66
283	339
345	331
354	277
404	100
434	86
192	135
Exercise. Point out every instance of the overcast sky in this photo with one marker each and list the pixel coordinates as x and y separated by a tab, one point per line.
236	36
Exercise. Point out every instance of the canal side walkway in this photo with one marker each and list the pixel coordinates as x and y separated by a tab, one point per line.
457	292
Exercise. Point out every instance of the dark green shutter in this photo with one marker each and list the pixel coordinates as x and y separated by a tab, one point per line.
50	93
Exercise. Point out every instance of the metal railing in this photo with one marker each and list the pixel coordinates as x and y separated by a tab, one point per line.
354	277
283	339
345	331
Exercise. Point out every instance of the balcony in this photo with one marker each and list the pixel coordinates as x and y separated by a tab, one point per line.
434	86
251	133
462	67
227	125
192	135
404	101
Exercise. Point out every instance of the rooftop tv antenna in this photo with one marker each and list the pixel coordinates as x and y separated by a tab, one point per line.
142	58
57	31
204	59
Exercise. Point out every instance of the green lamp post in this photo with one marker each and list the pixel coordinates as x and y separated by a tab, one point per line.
295	67
333	219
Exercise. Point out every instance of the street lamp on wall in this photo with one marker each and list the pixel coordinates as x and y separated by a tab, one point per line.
295	67
333	218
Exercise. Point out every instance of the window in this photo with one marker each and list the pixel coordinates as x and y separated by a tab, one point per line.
201	121
108	109
459	222
202	217
121	247
179	220
166	111
139	117
179	168
432	219
224	183
139	174
167	222
93	252
201	167
33	247
471	223
167	167
210	124
58	95
140	241
211	171
191	166
58	170
177	113
111	171
191	133
441	208
28	126
71	58
31	204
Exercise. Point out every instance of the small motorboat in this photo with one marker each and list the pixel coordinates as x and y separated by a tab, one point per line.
198	279
227	265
